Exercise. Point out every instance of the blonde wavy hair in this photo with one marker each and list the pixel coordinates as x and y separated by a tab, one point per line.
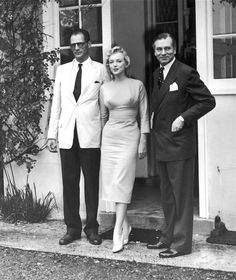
113	50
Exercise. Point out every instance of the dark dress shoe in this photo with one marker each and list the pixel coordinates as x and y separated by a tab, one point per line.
69	238
158	245
94	238
170	253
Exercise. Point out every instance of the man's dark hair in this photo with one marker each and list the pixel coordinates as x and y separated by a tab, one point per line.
164	36
81	31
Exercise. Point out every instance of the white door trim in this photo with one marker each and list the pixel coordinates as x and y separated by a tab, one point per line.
202	52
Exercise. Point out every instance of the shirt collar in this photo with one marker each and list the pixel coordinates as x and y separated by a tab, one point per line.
168	65
85	63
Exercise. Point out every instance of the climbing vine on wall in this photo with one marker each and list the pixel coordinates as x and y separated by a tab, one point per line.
232	2
24	79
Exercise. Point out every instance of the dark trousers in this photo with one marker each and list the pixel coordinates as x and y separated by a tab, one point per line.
72	161
177	184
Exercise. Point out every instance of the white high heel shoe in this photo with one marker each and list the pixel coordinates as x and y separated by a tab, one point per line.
118	243
126	235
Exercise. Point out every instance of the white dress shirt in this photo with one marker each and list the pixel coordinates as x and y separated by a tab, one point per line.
167	67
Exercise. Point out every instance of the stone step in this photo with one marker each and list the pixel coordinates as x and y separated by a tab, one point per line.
139	220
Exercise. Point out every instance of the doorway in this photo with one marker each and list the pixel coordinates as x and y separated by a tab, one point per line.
178	18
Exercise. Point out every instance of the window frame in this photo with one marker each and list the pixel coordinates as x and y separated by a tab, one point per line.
51	27
79	7
205	61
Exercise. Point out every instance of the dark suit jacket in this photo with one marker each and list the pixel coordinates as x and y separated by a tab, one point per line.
191	99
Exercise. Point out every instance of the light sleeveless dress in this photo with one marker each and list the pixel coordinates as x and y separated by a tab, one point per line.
121	103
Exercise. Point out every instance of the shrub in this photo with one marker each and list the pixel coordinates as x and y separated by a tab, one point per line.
24	80
23	205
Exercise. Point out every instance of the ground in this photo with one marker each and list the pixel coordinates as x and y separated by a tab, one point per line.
31	251
19	264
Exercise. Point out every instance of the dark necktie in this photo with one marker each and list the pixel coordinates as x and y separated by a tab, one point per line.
160	77
77	88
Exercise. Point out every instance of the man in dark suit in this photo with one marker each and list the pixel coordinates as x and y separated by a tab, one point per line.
179	99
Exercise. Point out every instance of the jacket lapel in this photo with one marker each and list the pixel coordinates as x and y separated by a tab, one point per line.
162	93
71	80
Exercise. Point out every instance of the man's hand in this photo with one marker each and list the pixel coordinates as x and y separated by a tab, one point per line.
177	124
52	145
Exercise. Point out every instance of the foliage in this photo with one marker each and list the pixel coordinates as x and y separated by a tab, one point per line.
233	2
23	205
24	79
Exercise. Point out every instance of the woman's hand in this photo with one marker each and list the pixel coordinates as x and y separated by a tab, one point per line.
142	147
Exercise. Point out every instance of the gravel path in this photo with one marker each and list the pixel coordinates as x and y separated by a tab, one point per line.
16	264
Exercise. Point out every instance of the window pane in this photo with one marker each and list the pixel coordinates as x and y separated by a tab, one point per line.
167	27
68	3
95	53
89	2
66	56
92	21
224	58
68	19
166	10
224	17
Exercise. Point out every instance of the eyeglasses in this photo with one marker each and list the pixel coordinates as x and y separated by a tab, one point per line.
79	44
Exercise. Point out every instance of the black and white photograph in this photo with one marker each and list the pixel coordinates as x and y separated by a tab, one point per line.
117	139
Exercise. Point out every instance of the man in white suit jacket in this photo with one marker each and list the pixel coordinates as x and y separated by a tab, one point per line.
76	126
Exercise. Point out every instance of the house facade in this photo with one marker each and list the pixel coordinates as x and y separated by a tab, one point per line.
206	39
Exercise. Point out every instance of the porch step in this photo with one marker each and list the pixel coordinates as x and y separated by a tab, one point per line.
140	220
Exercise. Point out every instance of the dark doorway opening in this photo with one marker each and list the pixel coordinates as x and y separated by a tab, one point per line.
146	200
178	18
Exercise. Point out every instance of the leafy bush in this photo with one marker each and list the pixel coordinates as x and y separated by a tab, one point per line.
24	80
233	2
23	205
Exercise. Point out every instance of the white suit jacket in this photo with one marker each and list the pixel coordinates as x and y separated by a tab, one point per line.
85	113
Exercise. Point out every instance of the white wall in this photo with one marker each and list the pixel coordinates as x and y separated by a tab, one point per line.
217	131
46	175
221	153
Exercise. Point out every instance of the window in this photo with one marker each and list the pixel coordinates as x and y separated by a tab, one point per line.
167	17
224	39
216	44
85	14
93	15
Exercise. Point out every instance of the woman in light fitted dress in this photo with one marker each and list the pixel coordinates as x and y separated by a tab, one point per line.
123	101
